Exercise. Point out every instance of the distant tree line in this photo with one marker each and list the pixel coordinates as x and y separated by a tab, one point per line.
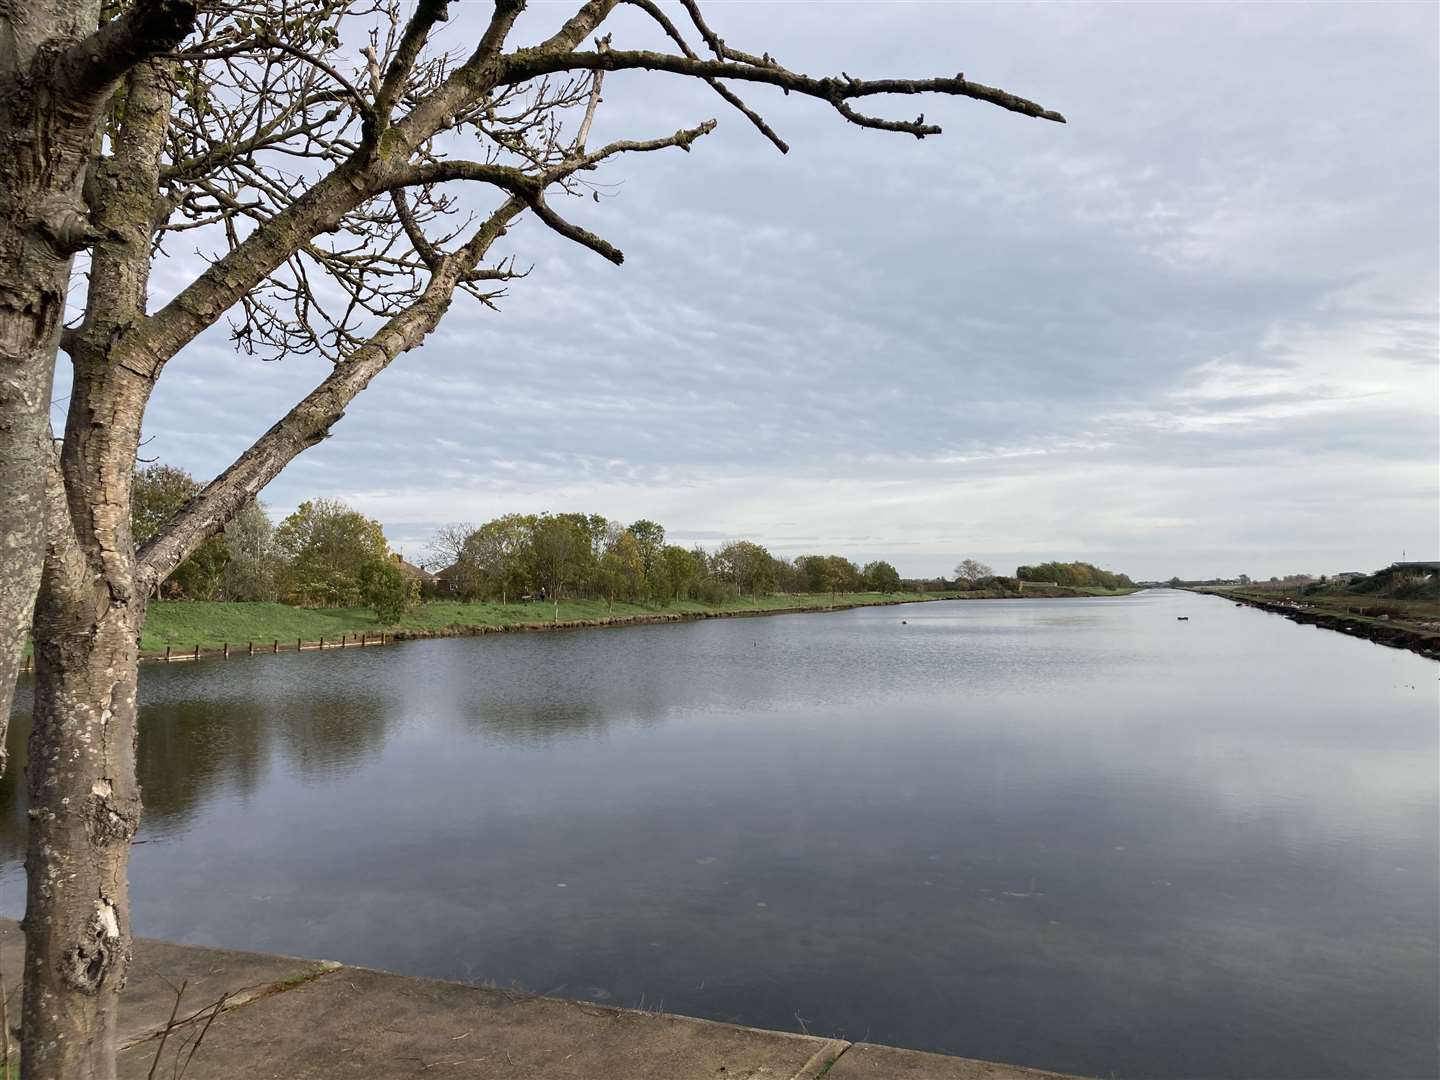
325	554
1074	574
590	556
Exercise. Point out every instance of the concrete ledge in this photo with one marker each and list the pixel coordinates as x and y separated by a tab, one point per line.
864	1061
316	1020
352	1022
157	972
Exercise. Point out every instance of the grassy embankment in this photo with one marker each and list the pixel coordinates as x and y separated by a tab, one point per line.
184	624
1411	622
1419	613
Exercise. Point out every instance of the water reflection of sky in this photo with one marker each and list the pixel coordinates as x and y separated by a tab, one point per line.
1072	834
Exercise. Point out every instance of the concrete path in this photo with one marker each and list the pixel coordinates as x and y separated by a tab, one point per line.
317	1020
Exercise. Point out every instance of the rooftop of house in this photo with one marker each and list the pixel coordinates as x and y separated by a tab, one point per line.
410	570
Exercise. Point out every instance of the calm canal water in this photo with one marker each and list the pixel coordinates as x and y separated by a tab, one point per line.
1073	834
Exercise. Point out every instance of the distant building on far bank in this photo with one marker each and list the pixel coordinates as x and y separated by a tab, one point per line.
449	580
1423	568
413	572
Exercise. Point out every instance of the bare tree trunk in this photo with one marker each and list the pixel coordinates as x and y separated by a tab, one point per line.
84	798
84	809
57	71
32	300
42	160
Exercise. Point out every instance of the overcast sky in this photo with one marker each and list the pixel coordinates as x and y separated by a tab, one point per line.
1193	332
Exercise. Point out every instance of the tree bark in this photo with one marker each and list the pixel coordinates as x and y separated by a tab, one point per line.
32	300
57	72
42	160
84	809
84	797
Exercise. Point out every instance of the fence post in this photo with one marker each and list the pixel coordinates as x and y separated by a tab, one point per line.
322	644
167	654
226	649
197	650
252	648
298	644
276	647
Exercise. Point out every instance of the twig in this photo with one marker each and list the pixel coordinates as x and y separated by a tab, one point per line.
165	1032
219	1005
4	1030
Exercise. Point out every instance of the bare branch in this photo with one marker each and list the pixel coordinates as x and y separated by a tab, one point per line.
571	231
418	239
717	45
311	419
597	80
427	14
92	66
651	9
533	64
361	102
530	189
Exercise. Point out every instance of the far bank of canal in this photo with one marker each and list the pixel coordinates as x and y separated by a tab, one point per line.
178	631
1077	834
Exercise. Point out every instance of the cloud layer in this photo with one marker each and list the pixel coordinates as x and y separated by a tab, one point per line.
1194	331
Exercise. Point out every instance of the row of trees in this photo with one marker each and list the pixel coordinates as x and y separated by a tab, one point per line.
325	554
1076	574
588	555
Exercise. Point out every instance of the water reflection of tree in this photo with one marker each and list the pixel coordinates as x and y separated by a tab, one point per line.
327	736
191	752
532	722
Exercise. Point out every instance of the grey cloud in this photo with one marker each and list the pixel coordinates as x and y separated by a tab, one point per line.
1224	265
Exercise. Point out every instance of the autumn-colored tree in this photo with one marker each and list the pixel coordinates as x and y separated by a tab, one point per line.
623	567
384	587
161	492
324	544
880	576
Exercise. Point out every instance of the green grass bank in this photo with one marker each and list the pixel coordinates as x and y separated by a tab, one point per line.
185	624
1412	624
